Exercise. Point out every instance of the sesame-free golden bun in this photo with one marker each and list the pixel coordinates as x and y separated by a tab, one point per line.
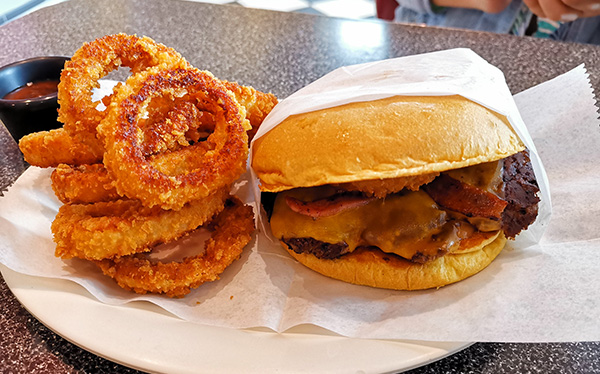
387	138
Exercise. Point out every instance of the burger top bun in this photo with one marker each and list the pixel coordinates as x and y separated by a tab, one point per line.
387	138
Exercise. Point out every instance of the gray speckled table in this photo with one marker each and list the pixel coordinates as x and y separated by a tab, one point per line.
277	52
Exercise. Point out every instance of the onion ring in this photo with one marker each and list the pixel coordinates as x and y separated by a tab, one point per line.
95	60
86	184
123	227
83	184
205	166
257	104
51	148
231	231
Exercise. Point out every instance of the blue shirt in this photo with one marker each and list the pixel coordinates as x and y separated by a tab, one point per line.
584	30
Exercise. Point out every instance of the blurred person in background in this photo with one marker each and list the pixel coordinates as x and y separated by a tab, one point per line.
565	20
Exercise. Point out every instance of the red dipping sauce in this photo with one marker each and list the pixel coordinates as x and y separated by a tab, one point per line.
32	90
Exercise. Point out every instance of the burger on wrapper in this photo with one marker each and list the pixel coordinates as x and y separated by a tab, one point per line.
402	192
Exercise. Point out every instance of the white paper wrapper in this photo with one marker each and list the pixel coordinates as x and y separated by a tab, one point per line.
546	292
450	72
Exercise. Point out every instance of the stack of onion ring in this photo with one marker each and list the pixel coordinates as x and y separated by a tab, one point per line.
77	142
154	166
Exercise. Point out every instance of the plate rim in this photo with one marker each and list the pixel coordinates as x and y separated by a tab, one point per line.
32	293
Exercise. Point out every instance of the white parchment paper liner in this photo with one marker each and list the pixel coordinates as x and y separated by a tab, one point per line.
547	292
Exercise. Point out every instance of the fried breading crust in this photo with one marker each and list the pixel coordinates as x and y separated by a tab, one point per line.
382	188
123	227
83	184
51	148
134	174
94	60
258	104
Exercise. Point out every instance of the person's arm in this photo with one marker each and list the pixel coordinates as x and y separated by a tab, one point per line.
436	6
564	10
487	6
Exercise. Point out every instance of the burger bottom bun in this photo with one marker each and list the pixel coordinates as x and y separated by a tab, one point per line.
375	268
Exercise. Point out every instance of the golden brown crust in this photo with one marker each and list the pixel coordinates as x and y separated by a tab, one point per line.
212	164
51	148
382	188
257	104
94	60
372	267
83	184
123	227
379	140
230	231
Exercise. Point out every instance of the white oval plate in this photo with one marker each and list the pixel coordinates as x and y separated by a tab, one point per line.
140	335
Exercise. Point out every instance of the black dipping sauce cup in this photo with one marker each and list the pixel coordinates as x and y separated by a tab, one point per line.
25	116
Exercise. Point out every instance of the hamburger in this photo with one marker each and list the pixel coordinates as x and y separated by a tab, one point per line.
404	192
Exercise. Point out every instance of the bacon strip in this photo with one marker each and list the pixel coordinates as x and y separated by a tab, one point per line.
464	198
327	207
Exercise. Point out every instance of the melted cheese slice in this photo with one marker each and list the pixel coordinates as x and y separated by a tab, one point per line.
487	176
408	224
